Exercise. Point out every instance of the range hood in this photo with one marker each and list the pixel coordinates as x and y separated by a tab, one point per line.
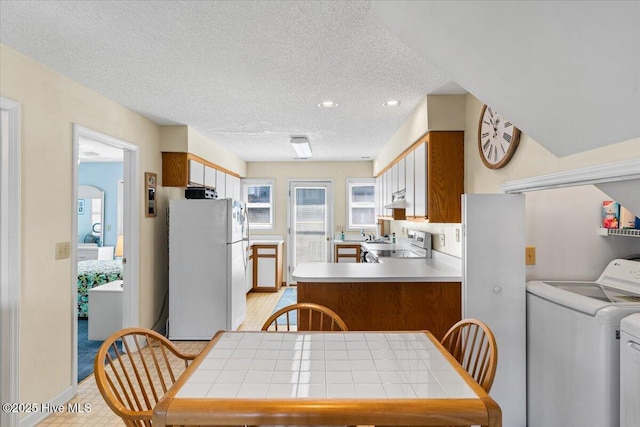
397	200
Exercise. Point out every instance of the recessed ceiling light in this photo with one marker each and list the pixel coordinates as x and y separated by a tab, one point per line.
327	104
365	157
391	103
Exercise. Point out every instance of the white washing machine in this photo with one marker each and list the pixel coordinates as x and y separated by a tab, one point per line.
573	347
630	371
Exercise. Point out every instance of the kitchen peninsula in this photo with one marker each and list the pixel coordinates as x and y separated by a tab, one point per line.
397	294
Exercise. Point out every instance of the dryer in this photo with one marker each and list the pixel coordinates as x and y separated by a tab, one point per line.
630	371
573	347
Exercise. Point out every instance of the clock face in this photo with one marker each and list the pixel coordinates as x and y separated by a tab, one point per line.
497	139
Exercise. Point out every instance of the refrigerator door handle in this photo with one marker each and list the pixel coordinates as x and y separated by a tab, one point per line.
245	249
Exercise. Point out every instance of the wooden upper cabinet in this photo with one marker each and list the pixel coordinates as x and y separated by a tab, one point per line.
175	170
445	176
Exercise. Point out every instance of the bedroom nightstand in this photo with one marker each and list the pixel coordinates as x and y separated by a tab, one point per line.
105	310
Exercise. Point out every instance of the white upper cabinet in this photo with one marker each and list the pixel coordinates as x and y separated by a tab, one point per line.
401	174
379	195
209	176
221	184
420	180
236	189
389	188
409	183
196	172
394	178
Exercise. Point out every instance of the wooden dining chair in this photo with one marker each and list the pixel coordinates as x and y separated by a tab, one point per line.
316	317
473	345
133	369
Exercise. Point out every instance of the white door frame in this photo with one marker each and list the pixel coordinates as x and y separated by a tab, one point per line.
10	258
131	262
330	218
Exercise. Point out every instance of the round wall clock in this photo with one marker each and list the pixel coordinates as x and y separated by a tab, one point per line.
498	139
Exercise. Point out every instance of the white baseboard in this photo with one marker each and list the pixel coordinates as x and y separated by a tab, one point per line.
36	417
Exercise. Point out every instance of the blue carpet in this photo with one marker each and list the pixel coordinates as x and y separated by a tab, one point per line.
87	350
289	296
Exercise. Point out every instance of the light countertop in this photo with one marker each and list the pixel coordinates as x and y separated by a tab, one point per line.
440	268
346	242
265	242
358	365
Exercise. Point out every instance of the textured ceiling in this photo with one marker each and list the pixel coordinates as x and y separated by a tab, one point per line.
567	73
248	75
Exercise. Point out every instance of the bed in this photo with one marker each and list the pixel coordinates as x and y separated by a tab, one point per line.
92	273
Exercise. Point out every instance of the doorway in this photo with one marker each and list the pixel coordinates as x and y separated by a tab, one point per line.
9	255
107	242
310	223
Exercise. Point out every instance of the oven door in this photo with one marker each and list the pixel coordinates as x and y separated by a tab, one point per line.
369	257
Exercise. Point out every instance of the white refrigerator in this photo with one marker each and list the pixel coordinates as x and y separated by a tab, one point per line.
208	243
494	290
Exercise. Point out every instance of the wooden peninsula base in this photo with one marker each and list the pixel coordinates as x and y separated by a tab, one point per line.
389	306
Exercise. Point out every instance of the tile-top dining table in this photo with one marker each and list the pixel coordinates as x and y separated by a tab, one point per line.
330	378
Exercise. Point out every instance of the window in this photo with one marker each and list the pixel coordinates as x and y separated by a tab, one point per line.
361	203
259	196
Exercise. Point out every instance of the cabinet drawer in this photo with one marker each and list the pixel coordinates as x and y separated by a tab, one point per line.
83	256
347	251
266	251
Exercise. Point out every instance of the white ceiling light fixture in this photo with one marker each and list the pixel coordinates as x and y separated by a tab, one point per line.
327	104
391	103
302	146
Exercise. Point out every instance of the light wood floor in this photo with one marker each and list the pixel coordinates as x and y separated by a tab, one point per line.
259	306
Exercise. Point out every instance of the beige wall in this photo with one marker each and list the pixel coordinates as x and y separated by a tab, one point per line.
413	128
50	105
174	138
283	172
562	224
211	151
530	159
434	112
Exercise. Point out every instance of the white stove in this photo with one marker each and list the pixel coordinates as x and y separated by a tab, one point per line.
420	247
573	346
